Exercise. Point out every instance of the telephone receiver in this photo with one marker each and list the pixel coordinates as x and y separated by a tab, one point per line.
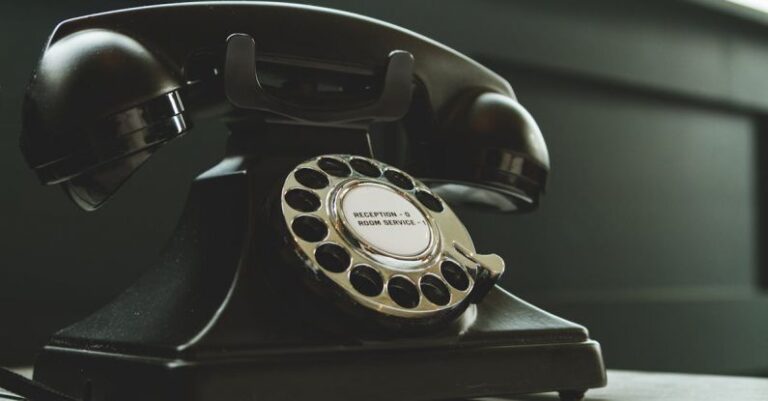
321	258
107	95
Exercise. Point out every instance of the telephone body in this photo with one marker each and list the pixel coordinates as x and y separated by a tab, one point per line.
302	266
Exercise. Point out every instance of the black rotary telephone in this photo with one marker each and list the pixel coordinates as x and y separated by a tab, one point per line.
303	266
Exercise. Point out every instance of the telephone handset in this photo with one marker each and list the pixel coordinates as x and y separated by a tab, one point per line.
87	130
302	265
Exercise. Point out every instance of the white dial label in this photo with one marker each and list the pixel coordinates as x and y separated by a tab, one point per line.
386	220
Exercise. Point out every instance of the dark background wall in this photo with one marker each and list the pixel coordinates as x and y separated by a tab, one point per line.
651	231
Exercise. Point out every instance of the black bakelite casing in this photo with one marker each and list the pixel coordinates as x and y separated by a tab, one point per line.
219	317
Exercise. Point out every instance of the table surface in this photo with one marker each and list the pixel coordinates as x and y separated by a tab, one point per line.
646	386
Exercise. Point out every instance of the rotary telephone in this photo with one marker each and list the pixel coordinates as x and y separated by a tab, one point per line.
302	266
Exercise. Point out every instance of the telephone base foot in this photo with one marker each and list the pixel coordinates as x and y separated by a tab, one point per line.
572	395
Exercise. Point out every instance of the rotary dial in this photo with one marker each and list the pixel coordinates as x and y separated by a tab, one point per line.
383	238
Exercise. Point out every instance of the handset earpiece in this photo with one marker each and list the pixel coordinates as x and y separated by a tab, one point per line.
495	157
99	104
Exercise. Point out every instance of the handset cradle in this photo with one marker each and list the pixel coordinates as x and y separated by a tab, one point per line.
243	89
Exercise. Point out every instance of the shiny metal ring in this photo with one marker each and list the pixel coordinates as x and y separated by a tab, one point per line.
411	258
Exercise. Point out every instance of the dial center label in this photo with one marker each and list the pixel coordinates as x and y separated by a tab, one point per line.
386	220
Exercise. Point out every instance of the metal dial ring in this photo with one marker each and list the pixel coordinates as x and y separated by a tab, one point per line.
382	238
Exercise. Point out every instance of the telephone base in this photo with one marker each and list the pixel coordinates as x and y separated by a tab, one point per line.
218	319
378	373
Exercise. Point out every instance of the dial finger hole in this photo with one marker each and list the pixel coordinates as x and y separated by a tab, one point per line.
399	179
309	228
435	290
334	167
332	257
302	200
365	167
403	292
454	275
311	178
430	201
366	280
